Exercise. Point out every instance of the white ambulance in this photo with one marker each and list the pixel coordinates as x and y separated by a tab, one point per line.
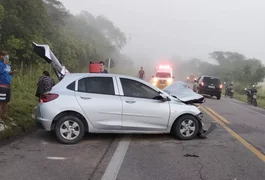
163	76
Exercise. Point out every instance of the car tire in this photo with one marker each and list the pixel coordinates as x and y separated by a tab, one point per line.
178	126
75	127
219	97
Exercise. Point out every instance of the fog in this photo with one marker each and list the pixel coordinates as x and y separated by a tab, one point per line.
186	29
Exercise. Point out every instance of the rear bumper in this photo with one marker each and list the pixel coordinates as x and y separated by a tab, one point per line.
41	122
212	92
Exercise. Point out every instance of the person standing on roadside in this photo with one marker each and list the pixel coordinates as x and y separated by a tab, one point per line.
141	73
4	86
102	67
9	80
45	84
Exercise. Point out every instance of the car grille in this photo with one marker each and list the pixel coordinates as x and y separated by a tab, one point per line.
162	81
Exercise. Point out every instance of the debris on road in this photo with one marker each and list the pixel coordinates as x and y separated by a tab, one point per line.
191	155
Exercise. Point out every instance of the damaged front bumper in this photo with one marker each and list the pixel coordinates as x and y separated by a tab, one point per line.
203	133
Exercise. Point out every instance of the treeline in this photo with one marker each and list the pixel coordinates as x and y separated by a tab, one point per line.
75	40
230	67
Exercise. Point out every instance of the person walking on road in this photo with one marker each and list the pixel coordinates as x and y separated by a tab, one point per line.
102	67
141	73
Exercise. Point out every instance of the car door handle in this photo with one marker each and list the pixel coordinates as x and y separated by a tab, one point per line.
85	98
130	101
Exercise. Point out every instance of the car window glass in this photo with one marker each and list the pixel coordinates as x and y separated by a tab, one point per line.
132	88
163	75
211	80
71	86
97	85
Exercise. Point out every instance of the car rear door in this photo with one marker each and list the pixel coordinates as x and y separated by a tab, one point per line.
44	51
140	111
99	99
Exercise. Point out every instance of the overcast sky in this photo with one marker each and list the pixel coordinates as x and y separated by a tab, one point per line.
185	28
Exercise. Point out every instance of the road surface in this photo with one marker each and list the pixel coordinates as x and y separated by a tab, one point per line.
234	151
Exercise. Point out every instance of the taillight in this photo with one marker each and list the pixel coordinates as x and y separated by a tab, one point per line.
48	97
221	86
202	83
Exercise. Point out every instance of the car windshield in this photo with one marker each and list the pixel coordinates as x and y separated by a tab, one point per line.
211	80
163	75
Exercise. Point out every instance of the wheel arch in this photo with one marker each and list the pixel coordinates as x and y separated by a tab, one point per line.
185	114
70	113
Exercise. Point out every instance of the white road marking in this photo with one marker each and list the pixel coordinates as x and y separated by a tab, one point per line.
56	158
247	109
114	165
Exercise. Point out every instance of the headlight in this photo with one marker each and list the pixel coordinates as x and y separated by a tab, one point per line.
169	80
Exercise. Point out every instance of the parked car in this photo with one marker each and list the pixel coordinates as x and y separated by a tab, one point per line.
108	103
208	85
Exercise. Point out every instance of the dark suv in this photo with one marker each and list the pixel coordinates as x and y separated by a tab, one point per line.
209	85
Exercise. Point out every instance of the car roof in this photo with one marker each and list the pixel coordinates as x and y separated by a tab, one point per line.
80	75
210	76
74	76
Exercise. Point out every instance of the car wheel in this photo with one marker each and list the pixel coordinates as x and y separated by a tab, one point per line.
186	127
69	130
219	97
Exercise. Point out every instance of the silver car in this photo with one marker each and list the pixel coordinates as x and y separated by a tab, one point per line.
108	103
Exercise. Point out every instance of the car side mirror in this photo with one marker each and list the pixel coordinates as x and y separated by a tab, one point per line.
163	97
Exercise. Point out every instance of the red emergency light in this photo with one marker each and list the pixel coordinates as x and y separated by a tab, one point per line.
164	67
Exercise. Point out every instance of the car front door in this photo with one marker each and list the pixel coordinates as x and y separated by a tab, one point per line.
141	112
100	101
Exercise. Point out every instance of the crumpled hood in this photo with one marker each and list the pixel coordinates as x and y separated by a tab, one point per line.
184	94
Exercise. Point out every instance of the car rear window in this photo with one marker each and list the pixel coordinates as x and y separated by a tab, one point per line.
162	75
211	80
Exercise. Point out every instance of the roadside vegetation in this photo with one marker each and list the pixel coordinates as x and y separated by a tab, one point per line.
231	67
75	40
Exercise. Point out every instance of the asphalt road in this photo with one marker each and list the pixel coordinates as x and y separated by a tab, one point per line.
233	151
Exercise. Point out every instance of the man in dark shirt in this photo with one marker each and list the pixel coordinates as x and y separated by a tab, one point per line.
102	67
141	73
45	84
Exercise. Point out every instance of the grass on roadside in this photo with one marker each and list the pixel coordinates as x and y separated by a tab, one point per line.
23	101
